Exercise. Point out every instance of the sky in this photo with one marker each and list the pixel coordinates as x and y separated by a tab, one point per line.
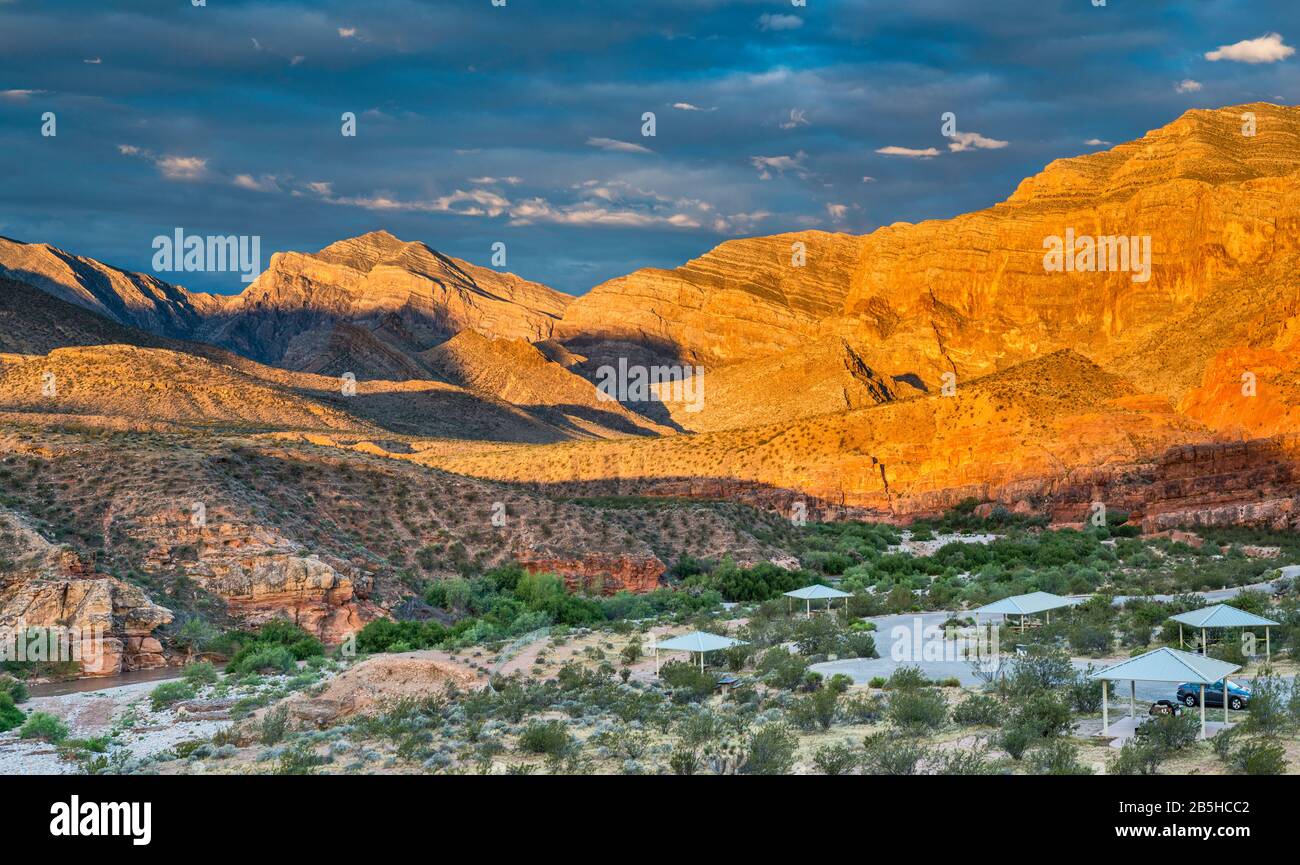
524	123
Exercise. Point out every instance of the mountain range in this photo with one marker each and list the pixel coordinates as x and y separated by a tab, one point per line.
881	376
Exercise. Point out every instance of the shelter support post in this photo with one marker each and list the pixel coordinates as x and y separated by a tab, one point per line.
1202	711
1133	699
1105	708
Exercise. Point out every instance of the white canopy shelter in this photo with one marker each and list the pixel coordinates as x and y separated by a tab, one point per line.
1164	665
1026	605
696	642
1223	616
808	594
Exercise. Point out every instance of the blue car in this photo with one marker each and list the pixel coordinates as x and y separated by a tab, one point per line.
1238	696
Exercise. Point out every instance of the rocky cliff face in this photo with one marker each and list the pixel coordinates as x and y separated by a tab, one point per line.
371	302
745	299
260	574
46	586
131	299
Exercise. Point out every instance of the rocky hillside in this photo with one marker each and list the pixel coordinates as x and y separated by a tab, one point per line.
368	304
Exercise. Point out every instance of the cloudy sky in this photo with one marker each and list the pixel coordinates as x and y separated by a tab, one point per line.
524	123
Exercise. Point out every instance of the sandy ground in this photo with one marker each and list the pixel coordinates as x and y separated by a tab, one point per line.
94	714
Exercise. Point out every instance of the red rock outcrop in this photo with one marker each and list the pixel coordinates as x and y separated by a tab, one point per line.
601	573
46	586
263	576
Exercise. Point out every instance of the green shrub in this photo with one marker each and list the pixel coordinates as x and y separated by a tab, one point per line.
1015	740
259	658
1136	758
10	715
688	682
816	711
300	759
273	726
1058	757
545	737
770	751
1169	734
1085	692
202	673
15	688
839	759
917	710
1260	757
170	692
43	725
979	710
886	754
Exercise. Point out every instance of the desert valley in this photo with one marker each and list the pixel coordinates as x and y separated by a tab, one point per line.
379	512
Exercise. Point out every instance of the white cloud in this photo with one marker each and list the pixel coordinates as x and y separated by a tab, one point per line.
182	167
492	181
1268	48
797	118
894	150
266	183
296	59
779	164
1097	142
20	95
347	32
779	22
868	179
321	187
686	106
1187	85
966	140
93	61
171	167
617	146
837	212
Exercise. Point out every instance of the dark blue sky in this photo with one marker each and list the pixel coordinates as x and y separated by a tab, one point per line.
522	123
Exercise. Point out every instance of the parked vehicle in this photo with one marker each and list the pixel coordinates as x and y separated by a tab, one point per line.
1238	696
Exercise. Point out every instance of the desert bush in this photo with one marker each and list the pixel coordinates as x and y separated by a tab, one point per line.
299	759
781	669
684	761
10	715
979	710
816	711
15	688
770	751
1058	757
1084	692
887	754
545	737
169	693
43	725
202	673
840	759
688	682
862	708
1015	740
263	659
273	726
1259	757
917	710
1169	734
1136	758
